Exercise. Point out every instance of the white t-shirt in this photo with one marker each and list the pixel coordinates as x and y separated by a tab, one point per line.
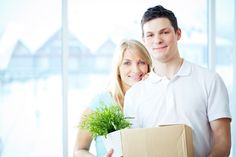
195	96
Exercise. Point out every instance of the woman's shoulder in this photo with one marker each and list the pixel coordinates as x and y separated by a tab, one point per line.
104	94
101	98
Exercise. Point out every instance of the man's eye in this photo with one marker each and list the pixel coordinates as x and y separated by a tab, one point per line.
149	35
165	32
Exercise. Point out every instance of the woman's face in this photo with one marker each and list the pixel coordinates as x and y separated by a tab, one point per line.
132	68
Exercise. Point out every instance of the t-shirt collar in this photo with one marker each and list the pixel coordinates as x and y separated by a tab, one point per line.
184	70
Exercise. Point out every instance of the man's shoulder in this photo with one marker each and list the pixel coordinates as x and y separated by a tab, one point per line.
197	68
203	73
139	86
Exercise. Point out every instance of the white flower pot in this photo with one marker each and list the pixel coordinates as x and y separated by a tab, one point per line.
113	140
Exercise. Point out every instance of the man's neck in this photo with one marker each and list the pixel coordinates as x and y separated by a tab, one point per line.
168	69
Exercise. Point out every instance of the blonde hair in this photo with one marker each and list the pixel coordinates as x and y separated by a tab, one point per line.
115	86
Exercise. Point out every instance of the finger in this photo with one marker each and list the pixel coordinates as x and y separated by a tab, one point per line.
109	153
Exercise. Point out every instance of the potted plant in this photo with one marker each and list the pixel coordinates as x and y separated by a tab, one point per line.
106	121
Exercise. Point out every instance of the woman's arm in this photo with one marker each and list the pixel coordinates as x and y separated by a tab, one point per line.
83	140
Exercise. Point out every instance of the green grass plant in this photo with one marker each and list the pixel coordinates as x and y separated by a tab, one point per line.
105	120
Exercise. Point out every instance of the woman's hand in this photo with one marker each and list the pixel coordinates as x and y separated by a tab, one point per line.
109	153
145	76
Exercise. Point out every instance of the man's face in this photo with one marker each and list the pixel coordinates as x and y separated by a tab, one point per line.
161	39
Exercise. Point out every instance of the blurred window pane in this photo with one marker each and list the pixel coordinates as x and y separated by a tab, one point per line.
30	78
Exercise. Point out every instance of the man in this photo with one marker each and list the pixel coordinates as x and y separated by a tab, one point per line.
179	92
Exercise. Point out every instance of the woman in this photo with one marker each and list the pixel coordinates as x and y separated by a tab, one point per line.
131	64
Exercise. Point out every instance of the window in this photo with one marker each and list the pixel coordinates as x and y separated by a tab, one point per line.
31	62
30	78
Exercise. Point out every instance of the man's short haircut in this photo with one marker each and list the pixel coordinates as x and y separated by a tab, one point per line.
159	12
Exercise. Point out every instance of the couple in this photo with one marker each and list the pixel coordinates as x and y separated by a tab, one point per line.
177	91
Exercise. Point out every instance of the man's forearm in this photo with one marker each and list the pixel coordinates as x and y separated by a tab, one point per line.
219	151
221	138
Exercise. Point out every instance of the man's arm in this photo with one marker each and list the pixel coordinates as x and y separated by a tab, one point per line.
221	137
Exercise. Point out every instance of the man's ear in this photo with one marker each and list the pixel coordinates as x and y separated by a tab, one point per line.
178	33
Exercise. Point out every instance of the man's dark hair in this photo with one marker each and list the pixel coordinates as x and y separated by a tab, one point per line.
159	12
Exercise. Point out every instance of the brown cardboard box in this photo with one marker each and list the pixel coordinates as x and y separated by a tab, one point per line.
164	141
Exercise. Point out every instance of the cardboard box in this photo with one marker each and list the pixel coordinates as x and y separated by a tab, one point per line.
164	141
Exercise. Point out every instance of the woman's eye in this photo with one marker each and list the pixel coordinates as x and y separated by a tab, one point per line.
126	63
141	62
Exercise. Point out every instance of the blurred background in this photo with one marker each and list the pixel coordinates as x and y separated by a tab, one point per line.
55	55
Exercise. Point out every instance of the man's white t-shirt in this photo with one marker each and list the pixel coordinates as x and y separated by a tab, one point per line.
195	96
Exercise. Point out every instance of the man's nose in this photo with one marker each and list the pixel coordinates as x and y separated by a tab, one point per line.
157	39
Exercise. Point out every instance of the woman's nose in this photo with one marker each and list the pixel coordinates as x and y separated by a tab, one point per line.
135	68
